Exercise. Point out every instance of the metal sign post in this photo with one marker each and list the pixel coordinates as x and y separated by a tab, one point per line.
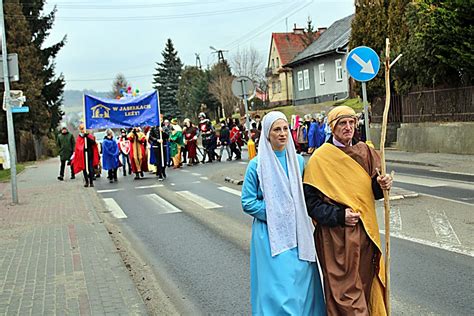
363	64
10	128
243	88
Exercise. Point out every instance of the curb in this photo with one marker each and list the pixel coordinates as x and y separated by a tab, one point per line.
237	182
412	163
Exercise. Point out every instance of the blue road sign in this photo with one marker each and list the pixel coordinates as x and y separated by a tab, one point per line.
362	63
20	109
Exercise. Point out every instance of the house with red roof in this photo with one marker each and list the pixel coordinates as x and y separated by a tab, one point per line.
283	48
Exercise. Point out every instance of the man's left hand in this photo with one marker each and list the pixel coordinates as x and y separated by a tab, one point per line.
385	181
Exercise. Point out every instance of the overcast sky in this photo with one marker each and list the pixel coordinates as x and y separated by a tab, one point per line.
106	37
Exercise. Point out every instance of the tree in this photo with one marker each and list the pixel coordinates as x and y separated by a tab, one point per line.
40	26
166	81
369	28
221	88
36	123
193	91
248	62
309	35
120	83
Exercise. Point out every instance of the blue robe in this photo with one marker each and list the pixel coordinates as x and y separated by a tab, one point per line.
284	284
312	134
321	135
110	154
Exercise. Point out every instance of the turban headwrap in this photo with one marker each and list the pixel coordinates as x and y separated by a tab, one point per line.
338	113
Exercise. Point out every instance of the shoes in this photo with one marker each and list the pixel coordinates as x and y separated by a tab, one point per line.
141	174
86	184
229	159
164	175
160	178
73	177
136	177
115	179
60	178
111	181
91	185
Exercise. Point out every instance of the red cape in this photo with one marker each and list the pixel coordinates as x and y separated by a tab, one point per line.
78	162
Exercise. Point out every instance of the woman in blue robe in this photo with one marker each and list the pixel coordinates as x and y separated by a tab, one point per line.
284	274
110	155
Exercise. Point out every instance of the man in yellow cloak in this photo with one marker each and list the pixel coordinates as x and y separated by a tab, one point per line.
340	186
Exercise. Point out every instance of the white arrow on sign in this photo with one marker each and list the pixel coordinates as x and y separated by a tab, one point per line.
366	66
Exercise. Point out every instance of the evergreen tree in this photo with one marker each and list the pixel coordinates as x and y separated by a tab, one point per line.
37	121
309	35
166	81
53	85
193	91
120	83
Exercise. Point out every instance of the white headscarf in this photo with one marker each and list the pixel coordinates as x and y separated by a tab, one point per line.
287	219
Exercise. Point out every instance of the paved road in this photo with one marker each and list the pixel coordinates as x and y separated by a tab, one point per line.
196	236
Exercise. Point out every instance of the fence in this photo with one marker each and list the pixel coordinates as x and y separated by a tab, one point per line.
436	105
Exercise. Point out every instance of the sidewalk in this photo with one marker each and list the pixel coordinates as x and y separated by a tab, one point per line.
56	257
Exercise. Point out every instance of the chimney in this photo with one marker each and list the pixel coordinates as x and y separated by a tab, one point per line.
298	30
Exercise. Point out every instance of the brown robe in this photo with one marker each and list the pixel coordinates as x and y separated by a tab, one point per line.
349	258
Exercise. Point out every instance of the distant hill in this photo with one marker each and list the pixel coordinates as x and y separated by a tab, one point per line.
73	99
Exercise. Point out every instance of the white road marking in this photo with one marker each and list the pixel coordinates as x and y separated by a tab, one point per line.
165	207
182	170
204	178
443	228
395	219
196	181
114	208
172	184
196	174
230	190
446	199
419	181
243	162
149	186
204	203
108	191
453	172
453	248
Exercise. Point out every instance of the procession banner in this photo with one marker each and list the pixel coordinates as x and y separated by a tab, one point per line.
102	113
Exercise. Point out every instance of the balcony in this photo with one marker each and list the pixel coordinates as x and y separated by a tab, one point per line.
269	72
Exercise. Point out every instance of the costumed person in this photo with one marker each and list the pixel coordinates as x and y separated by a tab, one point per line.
302	137
149	153
167	130
255	134
158	142
66	144
283	270
340	185
258	122
224	141
206	130
190	141
138	157
86	148
320	133
235	139
176	142
110	155
124	147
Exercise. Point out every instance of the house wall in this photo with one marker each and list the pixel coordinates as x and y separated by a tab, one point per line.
318	92
283	94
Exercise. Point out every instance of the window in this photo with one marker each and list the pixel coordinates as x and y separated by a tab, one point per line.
278	62
322	74
306	79
279	86
273	87
273	63
338	70
300	81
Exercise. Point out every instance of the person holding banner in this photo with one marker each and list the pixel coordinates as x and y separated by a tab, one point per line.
86	156
158	139
340	185
138	157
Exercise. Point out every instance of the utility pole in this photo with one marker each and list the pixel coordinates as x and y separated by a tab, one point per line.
10	128
198	61
220	54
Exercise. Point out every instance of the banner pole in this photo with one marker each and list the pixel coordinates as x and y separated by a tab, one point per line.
86	156
161	134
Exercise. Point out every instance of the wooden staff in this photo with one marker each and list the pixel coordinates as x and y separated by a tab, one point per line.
386	195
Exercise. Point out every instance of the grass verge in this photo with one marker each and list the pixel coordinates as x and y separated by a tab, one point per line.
5	174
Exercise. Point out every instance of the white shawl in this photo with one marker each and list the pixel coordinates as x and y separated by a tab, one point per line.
287	219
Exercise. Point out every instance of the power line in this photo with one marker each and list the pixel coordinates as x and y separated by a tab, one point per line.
148	18
105	79
119	6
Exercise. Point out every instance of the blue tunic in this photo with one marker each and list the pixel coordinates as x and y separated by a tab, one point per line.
284	284
110	154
